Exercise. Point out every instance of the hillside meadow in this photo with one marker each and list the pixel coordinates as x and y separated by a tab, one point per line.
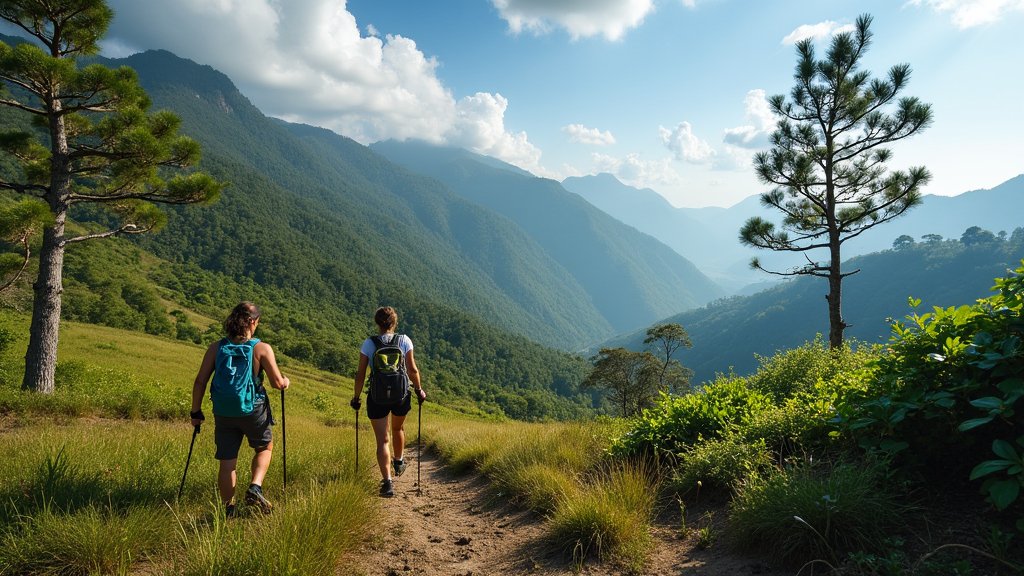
900	459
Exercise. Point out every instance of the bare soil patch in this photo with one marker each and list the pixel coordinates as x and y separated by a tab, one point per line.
455	525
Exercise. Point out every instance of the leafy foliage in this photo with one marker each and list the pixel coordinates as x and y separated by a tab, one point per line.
631	378
955	373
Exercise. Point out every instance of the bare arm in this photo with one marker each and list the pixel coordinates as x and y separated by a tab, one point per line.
360	376
414	376
265	355
202	378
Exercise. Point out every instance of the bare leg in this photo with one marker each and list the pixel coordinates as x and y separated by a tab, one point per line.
226	480
398	435
380	431
260	464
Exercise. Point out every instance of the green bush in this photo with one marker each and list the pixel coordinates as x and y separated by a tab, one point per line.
956	374
801	514
717	465
790	372
677	422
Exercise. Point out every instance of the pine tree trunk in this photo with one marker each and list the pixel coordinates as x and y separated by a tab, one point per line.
41	357
836	326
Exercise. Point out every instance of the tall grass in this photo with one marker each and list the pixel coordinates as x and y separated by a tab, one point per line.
805	513
92	540
609	519
308	536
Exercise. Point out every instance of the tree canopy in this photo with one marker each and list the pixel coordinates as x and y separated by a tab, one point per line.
827	160
91	141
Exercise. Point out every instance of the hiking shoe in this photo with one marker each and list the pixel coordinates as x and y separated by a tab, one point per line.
254	497
398	466
229	511
386	488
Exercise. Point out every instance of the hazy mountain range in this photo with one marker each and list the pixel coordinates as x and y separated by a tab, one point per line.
709	237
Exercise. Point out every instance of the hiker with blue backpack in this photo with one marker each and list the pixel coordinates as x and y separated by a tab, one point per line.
389	357
241	408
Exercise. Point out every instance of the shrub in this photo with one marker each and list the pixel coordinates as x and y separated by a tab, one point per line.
798	370
677	422
719	464
802	513
956	374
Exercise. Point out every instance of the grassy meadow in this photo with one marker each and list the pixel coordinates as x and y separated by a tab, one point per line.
903	459
93	471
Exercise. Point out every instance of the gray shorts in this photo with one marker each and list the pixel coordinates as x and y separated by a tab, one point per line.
228	431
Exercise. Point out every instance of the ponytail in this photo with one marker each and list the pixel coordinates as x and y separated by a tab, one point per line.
237	323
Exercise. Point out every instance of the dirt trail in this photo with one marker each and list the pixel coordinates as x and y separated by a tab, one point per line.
455	526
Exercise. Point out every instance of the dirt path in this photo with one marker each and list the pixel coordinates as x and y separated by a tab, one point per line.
455	526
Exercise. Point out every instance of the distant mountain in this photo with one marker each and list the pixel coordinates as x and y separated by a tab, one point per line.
632	278
710	236
728	333
328	218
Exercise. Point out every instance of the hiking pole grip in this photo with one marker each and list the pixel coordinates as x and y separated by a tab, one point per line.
284	444
195	432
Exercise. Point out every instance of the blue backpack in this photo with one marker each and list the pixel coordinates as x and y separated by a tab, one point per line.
233	390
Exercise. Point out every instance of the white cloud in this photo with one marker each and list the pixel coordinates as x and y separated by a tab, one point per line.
817	31
760	123
685	145
580	18
306	61
591	136
970	13
480	126
637	172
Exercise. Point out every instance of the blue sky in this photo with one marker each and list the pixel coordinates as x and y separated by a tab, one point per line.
665	94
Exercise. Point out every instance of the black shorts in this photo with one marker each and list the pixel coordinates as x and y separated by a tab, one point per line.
375	411
228	431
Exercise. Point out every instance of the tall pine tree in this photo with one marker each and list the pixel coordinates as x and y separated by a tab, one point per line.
95	142
827	161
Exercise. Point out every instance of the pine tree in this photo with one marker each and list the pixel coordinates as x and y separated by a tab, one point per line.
95	142
827	161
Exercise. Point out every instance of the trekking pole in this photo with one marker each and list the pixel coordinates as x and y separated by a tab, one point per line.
284	444
195	432
419	444
357	442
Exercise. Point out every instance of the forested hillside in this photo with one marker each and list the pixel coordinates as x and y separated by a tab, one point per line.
728	333
342	223
632	278
320	236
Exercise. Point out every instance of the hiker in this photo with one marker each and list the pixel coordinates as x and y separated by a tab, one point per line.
378	407
241	408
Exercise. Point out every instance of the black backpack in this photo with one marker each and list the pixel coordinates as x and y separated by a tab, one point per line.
389	382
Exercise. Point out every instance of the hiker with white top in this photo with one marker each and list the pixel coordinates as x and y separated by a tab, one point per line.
389	357
241	408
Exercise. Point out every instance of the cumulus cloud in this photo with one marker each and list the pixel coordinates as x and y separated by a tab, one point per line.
591	136
637	172
760	123
817	31
480	126
580	18
685	145
306	61
970	13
